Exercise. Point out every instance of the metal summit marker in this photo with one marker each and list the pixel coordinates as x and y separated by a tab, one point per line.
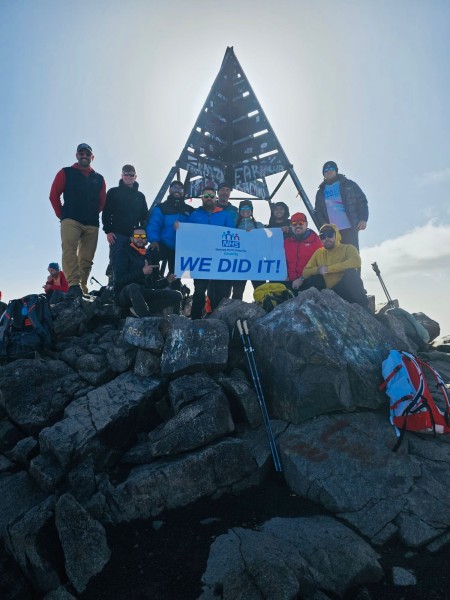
232	140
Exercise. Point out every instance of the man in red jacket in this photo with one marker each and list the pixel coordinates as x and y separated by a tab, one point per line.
299	245
84	193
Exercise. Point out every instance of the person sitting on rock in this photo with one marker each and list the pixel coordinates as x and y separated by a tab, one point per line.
336	267
56	286
299	245
134	285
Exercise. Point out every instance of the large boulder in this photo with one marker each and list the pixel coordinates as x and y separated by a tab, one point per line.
83	540
104	420
289	558
194	346
346	464
317	354
34	393
19	495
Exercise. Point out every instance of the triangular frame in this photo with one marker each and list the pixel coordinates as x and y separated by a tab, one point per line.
232	140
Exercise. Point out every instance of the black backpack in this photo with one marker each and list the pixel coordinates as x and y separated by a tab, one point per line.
25	326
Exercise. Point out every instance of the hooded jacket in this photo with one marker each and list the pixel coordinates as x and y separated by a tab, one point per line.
285	222
224	218
353	198
299	251
163	216
337	260
125	209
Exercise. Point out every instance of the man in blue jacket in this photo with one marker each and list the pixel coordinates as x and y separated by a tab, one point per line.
209	214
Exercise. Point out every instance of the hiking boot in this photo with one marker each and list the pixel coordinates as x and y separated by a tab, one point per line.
75	291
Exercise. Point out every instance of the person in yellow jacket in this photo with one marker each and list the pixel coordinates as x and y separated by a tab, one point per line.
336	266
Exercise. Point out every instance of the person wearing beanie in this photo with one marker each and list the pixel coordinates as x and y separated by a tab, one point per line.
161	231
341	201
56	286
125	208
299	245
247	222
279	217
223	200
335	267
84	194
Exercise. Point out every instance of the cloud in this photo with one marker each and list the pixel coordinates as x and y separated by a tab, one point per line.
434	177
416	270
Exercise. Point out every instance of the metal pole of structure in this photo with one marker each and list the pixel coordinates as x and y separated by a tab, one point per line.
164	187
303	195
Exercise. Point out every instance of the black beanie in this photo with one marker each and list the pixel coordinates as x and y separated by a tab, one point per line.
330	163
245	203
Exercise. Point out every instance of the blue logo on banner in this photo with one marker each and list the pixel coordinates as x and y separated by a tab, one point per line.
230	240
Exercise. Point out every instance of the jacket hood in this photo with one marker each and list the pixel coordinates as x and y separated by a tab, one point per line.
339	177
135	184
336	231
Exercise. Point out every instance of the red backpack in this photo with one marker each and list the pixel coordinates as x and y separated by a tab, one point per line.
412	407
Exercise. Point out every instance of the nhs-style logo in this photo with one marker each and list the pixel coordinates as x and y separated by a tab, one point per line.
230	240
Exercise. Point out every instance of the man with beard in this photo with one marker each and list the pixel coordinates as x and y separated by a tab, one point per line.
134	281
161	230
209	214
125	208
336	267
299	245
341	201
84	193
223	200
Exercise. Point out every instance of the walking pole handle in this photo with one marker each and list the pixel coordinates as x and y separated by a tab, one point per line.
239	326
376	269
244	323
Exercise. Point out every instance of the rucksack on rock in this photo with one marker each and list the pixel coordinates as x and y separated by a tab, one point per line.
26	326
270	295
412	407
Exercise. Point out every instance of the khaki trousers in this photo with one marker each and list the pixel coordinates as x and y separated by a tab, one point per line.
78	243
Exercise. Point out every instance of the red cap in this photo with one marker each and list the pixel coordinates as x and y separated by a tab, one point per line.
298	217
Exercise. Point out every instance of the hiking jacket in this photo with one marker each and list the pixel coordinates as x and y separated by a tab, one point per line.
162	218
84	193
224	218
353	198
233	210
298	252
60	284
127	265
125	208
248	224
338	260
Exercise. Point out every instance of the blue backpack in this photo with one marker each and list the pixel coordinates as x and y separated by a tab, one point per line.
25	326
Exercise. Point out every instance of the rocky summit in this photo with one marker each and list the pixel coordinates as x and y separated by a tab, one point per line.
126	420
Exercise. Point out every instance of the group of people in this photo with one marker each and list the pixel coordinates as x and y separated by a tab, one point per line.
140	241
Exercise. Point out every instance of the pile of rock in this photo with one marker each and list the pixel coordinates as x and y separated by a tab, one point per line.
129	417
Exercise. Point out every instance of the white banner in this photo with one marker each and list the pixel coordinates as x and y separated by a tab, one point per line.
212	252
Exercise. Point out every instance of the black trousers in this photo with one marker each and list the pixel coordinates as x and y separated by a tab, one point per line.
350	287
216	291
350	236
146	301
164	253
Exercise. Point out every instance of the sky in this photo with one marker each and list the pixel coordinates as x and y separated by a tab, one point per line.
363	83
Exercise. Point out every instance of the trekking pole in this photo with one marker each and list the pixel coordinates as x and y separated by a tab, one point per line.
246	342
96	281
378	274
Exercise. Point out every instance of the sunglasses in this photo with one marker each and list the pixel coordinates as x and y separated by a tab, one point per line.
129	174
295	223
245	208
177	187
143	236
327	234
84	153
209	195
329	169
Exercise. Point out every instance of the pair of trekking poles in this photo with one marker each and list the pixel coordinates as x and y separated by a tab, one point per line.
249	352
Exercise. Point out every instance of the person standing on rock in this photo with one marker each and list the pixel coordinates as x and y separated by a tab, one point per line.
223	200
84	194
335	267
125	208
341	201
161	230
209	214
299	245
134	285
